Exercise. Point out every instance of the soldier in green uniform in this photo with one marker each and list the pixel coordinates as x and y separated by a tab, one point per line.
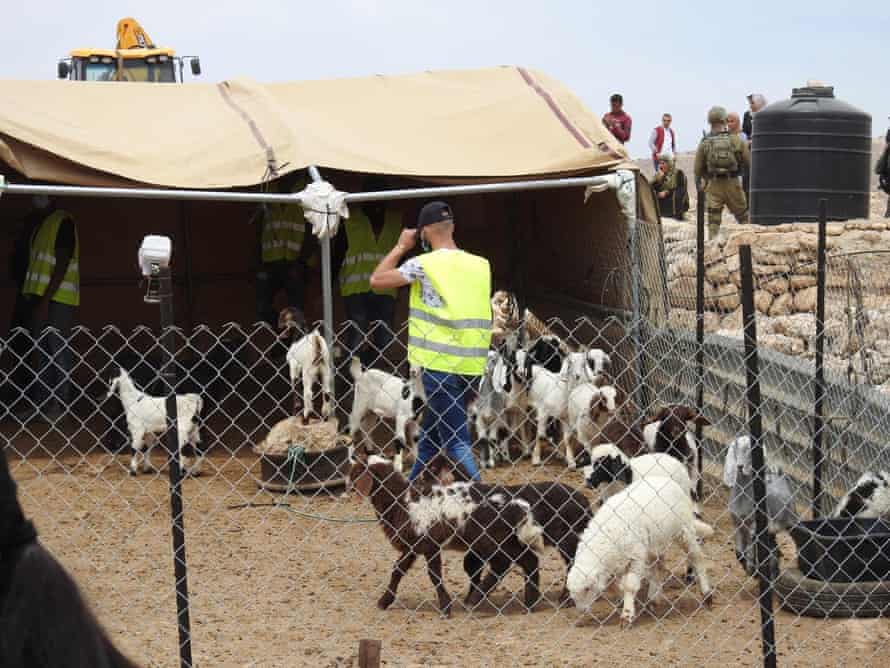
720	158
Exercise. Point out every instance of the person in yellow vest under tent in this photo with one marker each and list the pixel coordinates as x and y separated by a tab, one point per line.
52	292
284	245
362	241
449	328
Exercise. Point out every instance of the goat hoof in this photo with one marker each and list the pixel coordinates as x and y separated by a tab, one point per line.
386	601
445	610
627	620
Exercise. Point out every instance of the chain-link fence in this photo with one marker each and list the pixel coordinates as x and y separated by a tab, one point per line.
285	569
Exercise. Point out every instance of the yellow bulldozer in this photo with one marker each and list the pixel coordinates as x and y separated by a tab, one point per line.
136	58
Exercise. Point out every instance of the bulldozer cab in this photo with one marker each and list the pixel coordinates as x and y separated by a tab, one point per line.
136	58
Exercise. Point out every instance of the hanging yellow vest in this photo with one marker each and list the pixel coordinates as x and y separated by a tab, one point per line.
364	251
283	231
453	338
43	260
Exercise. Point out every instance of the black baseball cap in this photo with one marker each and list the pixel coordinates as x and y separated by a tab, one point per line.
434	212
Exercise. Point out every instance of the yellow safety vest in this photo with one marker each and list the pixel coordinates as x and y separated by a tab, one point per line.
43	260
453	338
364	252
283	231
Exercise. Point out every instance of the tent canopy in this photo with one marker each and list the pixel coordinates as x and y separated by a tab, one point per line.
503	122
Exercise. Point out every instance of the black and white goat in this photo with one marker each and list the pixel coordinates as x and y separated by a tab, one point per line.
738	475
869	497
387	396
497	413
147	422
44	620
668	432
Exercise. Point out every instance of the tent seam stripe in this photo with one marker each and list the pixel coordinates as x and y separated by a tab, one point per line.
251	124
585	143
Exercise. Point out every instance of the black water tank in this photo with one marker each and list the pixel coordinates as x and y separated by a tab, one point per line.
806	148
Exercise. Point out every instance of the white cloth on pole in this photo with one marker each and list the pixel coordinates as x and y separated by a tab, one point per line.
323	206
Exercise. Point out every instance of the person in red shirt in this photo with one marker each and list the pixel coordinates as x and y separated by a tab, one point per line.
617	120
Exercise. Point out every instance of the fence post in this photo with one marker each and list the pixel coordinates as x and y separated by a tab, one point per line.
755	431
818	422
699	326
171	442
369	654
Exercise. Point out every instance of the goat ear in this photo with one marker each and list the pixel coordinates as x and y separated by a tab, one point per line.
701	420
601	380
364	483
445	476
661	414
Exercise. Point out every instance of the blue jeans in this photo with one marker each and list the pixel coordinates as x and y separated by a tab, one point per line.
445	421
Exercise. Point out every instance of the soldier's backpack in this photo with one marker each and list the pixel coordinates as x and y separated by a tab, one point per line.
720	155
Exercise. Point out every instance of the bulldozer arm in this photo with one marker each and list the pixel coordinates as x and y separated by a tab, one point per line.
131	35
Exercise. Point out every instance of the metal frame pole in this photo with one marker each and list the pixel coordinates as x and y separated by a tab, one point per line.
755	430
289	198
818	422
171	442
633	231
327	292
700	328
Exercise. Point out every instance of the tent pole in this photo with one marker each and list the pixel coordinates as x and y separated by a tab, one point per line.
327	293
351	198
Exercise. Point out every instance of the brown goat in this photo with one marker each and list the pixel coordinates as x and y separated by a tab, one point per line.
489	528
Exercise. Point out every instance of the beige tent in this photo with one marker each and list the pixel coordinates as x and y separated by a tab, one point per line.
501	122
457	126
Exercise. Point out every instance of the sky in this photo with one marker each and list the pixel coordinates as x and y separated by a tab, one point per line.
678	57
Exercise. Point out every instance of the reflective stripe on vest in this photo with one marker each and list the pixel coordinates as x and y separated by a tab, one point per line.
455	337
364	252
283	232
42	262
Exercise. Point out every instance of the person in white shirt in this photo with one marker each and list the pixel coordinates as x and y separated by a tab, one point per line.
663	140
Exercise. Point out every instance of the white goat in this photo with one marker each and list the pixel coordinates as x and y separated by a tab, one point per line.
387	396
310	360
626	541
548	396
588	365
589	408
147	421
869	497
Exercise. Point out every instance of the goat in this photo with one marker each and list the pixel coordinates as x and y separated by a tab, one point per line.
309	359
548	395
44	620
668	433
627	539
561	510
589	408
387	396
147	421
738	475
609	465
488	527
588	366
493	413
869	497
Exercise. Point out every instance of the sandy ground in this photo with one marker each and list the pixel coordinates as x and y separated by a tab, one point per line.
274	587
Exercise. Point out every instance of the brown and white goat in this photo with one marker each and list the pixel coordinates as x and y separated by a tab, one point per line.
562	511
489	528
308	360
668	432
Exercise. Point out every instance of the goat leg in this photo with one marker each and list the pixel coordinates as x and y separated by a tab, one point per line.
402	566
529	564
473	566
434	569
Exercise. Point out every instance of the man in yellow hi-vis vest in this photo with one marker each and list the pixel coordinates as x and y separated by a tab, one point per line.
51	289
284	244
449	328
361	243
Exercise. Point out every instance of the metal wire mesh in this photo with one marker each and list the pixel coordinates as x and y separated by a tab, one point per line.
286	569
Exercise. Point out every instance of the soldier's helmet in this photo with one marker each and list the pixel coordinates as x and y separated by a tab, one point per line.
717	115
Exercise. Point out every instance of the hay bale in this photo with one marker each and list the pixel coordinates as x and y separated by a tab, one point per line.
316	436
